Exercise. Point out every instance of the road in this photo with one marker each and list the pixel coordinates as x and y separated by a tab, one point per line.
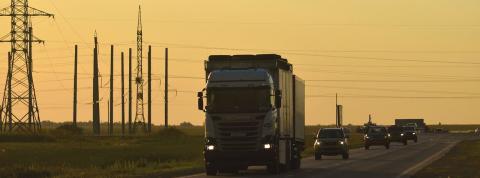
398	161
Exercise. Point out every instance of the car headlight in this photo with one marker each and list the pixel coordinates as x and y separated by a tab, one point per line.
401	134
210	147
413	133
388	135
317	142
267	146
366	137
341	142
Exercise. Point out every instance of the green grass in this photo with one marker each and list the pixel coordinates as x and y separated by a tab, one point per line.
160	154
463	160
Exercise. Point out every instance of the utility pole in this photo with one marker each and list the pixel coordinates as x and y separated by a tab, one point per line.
130	130
96	97
149	89
111	91
123	94
75	88
166	87
139	116
22	113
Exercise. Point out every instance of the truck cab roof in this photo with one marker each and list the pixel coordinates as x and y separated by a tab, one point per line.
240	78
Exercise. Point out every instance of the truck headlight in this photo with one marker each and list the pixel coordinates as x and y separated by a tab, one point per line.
341	142
210	147
267	146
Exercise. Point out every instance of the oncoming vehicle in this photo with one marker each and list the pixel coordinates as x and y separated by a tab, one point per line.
397	134
331	142
411	133
377	136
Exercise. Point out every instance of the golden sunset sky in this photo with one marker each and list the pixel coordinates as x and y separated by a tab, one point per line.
392	59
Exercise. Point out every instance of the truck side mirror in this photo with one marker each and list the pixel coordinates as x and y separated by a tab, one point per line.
278	98
200	101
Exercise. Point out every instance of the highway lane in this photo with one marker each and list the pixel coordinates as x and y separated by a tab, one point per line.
398	161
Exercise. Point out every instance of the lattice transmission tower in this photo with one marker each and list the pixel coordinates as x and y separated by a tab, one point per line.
139	116
19	109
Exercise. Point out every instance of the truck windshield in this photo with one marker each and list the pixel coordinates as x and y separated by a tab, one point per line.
330	133
239	100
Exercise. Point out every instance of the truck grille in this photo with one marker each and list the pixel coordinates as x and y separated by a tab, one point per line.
238	135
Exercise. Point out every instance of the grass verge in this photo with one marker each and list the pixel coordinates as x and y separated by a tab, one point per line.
463	160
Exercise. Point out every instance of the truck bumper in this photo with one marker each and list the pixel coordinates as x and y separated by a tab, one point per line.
331	150
221	159
376	141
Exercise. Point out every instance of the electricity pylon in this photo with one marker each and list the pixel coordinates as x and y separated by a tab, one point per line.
19	110
139	116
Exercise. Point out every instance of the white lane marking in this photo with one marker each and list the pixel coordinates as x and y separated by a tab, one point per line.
412	170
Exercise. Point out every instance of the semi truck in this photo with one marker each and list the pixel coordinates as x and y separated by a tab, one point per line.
254	113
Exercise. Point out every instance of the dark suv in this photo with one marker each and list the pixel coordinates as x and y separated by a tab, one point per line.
411	133
376	136
397	134
331	142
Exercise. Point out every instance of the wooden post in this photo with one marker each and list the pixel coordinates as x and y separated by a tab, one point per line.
130	131
149	89
96	97
110	131
75	88
166	87
123	94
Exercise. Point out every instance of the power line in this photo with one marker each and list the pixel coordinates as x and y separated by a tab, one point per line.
394	97
396	81
394	90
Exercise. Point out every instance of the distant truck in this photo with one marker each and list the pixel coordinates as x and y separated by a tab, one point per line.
255	113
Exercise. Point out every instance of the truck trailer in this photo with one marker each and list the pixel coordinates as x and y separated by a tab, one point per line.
254	113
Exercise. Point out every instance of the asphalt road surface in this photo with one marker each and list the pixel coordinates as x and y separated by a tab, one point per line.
398	161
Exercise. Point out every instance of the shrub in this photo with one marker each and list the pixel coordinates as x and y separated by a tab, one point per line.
67	130
170	132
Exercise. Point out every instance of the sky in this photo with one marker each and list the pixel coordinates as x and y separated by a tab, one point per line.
392	59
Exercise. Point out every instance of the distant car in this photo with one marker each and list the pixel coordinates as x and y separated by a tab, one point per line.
411	133
331	142
377	136
397	134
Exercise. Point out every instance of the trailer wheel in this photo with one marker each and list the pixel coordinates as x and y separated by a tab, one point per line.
274	167
296	162
211	170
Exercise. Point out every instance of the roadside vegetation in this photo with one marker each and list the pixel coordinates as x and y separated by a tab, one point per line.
463	160
165	152
65	151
